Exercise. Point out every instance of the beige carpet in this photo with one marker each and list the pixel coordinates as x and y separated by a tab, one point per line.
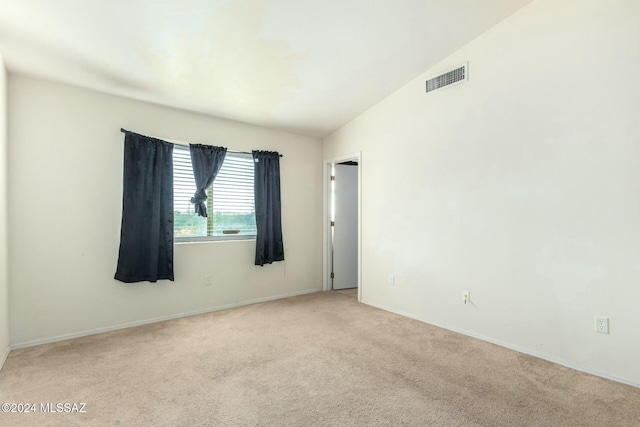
316	360
352	292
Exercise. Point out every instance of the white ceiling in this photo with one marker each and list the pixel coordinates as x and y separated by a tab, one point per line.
306	66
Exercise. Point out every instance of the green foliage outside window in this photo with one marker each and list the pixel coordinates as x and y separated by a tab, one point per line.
190	224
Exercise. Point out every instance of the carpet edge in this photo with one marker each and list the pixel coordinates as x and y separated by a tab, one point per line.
64	337
508	346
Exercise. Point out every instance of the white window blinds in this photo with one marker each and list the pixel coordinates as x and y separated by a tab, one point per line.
230	203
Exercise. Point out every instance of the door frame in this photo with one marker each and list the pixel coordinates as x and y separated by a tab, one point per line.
326	228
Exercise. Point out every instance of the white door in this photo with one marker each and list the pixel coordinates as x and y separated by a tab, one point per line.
345	227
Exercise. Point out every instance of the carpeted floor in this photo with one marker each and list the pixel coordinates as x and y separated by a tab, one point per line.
352	292
315	360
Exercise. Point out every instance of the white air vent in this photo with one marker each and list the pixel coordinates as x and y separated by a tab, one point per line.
454	76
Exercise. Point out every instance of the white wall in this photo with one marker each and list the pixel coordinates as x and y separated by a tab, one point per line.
4	275
521	185
65	201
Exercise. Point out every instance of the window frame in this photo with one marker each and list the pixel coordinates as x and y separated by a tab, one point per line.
209	203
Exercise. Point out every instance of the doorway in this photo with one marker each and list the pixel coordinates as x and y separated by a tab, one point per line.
342	225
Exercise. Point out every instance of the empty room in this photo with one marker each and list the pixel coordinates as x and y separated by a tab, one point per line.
320	213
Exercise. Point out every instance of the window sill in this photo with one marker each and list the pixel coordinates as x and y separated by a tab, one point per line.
200	241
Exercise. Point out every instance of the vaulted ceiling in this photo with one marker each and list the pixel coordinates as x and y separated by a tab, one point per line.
306	66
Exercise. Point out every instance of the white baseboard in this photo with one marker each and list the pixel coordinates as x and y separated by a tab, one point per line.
153	320
508	345
3	358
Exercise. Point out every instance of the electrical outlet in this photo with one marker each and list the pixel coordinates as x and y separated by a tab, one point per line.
602	325
207	280
466	296
391	280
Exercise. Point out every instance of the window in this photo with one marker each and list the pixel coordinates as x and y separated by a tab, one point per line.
230	204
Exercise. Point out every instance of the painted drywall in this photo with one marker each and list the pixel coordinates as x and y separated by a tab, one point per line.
521	185
4	275
65	201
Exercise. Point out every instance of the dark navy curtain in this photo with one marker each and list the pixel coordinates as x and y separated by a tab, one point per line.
269	246
206	161
146	234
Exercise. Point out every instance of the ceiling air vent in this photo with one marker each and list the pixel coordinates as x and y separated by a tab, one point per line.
456	75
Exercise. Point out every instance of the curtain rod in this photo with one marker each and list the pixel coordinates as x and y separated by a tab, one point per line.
186	144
